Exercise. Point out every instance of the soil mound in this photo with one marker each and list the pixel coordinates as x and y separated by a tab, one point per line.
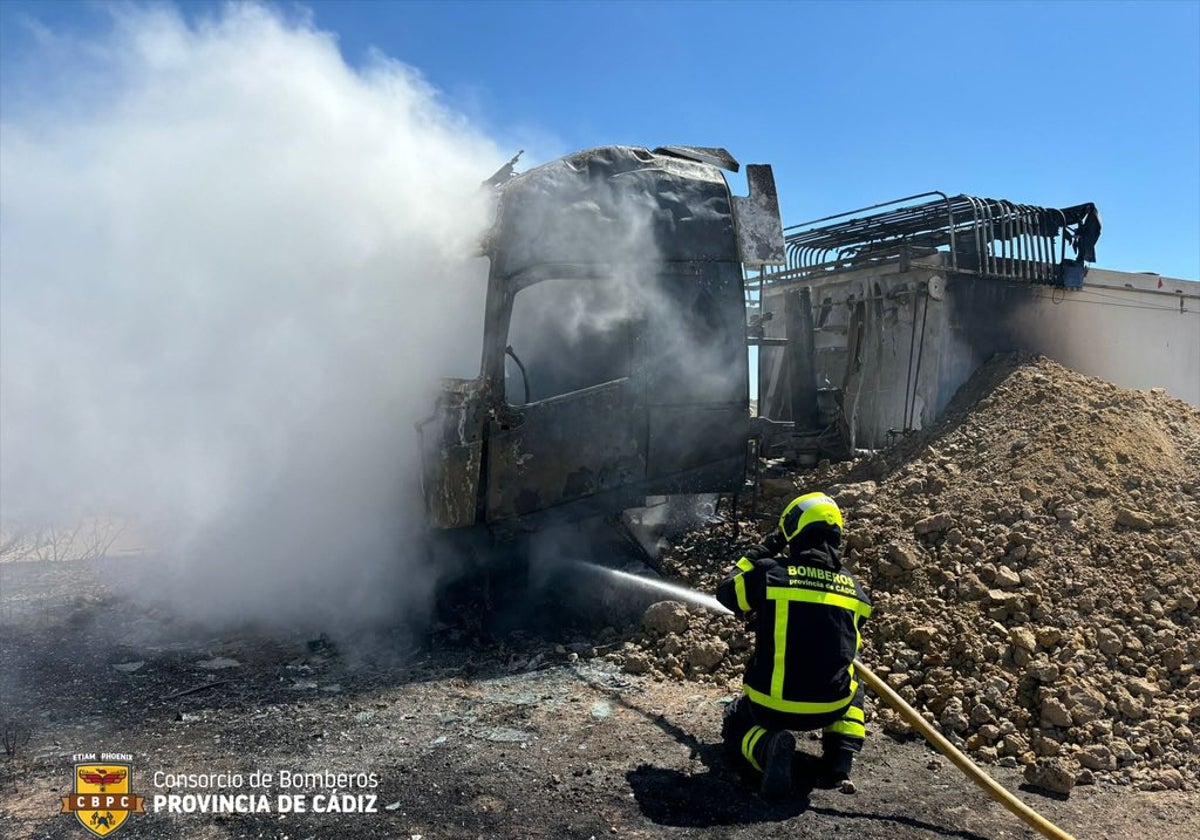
1035	564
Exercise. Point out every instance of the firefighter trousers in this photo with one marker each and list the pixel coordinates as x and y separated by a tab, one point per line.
746	726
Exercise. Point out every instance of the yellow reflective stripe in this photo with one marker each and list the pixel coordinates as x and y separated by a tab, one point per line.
739	589
745	565
854	713
747	753
846	727
781	622
797	707
813	596
749	740
758	733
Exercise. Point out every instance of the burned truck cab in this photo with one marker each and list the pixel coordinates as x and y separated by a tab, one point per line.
614	357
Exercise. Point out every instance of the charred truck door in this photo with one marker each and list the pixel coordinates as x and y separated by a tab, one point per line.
614	361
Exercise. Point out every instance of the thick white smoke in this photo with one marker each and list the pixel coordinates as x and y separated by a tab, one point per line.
231	277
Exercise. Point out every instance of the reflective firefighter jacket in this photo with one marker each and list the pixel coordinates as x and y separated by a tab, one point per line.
806	619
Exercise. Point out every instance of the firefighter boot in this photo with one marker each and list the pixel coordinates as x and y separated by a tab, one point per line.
835	767
777	766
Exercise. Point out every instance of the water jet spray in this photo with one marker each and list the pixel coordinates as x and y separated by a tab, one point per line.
671	590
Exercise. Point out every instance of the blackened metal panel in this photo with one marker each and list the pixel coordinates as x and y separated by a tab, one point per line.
565	449
685	440
697	380
450	494
451	443
759	226
801	361
695	339
613	204
701	154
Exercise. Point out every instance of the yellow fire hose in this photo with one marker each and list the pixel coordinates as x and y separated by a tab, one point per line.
993	789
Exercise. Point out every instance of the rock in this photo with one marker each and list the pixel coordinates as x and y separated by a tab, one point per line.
1048	637
1141	687
1022	638
1173	658
920	637
1131	707
1097	757
989	732
904	556
953	718
896	726
1043	671
1085	704
1053	774
666	617
1044	746
707	655
1108	641
637	663
933	524
1130	518
777	488
852	494
890	570
981	715
1017	553
971	588
858	540
1054	713
1171	779
1006	578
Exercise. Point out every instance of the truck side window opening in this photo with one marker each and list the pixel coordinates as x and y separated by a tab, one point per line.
570	334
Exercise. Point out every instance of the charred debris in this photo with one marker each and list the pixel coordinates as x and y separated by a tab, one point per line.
625	288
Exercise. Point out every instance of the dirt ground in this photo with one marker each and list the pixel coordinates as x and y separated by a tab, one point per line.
528	736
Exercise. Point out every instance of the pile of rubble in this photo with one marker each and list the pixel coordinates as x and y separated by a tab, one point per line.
1035	565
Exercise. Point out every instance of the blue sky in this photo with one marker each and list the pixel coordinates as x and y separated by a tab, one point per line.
853	103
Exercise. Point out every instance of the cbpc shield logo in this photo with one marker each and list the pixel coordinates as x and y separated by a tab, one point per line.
102	795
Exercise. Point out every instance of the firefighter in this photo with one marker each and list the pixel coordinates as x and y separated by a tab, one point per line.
806	611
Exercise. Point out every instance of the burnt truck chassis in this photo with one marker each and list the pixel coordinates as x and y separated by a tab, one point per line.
667	409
